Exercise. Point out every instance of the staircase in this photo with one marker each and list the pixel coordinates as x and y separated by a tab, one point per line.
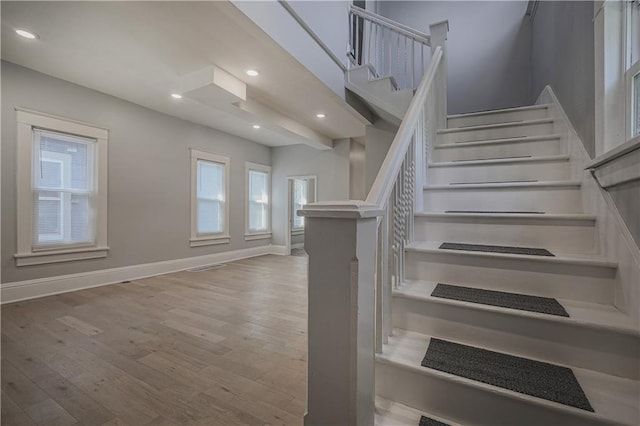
499	182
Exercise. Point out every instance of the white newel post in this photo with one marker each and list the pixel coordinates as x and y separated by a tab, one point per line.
340	238
438	33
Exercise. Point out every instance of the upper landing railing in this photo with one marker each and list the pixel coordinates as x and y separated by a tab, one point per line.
391	48
356	251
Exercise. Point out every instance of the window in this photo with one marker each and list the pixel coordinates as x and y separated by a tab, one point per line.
258	220
300	198
633	70
62	176
209	206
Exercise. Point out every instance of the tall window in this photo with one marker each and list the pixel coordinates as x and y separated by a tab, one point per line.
633	66
209	206
300	198
258	221
62	175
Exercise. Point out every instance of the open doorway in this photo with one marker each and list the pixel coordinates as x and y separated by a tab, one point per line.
301	190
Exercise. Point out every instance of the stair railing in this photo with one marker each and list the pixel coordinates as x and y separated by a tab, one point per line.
356	257
392	49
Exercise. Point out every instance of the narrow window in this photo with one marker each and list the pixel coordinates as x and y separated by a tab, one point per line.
258	221
300	198
209	205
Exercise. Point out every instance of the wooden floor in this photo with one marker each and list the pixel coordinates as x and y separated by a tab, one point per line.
219	347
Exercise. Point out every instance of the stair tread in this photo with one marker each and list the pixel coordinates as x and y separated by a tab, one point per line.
540	159
497	141
540	184
559	257
613	398
495	126
499	111
391	413
584	314
511	216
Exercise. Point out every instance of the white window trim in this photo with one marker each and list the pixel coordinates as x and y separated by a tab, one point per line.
248	234
199	240
27	120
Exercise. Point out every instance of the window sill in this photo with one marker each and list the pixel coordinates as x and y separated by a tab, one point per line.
297	232
44	257
258	236
209	240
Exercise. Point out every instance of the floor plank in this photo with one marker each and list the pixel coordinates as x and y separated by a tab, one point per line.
220	347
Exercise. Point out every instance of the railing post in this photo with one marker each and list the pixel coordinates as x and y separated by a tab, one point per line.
340	238
438	33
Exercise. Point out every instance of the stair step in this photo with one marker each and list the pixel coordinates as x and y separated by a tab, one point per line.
399	375
544	126
551	167
582	277
548	196
498	116
574	233
391	413
594	336
513	148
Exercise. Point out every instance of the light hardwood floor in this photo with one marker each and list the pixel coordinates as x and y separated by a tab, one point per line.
219	347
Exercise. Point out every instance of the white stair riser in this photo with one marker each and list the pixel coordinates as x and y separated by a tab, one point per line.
589	283
527	148
567	236
567	344
535	129
544	170
360	75
495	118
546	199
466	404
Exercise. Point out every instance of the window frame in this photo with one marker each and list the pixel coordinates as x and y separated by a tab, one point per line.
26	254
631	69
205	239
294	229
250	235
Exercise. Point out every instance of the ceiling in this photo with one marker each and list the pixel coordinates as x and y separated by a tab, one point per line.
141	52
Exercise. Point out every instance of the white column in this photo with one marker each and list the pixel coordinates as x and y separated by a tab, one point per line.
438	34
340	238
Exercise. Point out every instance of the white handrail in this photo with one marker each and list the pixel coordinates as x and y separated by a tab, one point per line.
383	184
393	25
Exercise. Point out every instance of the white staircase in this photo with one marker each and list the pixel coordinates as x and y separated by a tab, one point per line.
502	178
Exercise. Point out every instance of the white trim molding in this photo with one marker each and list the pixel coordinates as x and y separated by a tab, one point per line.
31	289
201	239
27	254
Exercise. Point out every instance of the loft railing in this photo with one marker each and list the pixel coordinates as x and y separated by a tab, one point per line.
392	49
356	257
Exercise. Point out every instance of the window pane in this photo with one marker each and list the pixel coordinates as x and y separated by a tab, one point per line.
634	31
211	197
299	200
636	104
65	163
258	201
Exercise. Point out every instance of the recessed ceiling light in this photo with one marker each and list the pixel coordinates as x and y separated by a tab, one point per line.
321	115
252	73
256	126
176	96
26	34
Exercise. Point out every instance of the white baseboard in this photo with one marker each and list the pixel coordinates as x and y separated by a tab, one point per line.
280	250
30	289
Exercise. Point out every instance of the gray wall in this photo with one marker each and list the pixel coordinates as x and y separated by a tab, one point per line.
627	199
331	168
488	49
149	169
378	141
357	171
562	56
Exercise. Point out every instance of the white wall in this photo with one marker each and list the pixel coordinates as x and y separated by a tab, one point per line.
488	49
357	171
328	19
331	168
149	174
378	141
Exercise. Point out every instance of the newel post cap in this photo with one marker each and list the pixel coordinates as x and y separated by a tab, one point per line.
349	209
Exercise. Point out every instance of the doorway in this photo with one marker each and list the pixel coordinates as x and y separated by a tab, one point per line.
301	190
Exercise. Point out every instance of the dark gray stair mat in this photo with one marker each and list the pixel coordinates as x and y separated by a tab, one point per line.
522	302
493	158
495	181
522	375
428	421
530	251
493	211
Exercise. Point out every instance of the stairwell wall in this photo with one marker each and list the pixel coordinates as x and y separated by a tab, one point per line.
488	49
